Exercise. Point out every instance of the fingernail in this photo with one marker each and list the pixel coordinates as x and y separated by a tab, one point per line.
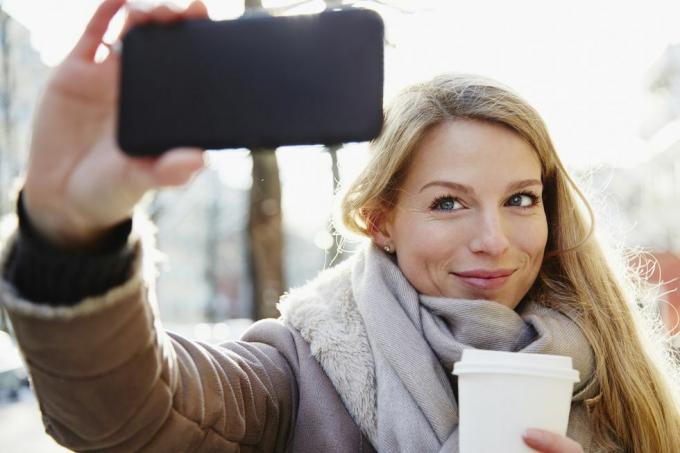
536	436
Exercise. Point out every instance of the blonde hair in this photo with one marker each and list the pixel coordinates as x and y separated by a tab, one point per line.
636	408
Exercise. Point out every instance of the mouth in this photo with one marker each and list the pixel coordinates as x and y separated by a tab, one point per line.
485	279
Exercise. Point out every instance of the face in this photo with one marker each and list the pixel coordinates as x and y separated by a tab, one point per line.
469	222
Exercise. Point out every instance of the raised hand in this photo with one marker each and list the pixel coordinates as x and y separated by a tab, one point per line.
79	183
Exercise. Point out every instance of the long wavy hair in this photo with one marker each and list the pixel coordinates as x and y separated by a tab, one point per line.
637	408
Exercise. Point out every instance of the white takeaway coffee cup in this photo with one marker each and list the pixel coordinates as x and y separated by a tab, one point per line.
501	394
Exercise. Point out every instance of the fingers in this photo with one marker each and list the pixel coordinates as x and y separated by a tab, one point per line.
197	10
173	168
163	14
547	442
176	167
87	45
89	42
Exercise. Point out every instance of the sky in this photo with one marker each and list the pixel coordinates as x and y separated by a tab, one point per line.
585	65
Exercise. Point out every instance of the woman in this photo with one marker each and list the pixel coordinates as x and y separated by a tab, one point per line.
476	241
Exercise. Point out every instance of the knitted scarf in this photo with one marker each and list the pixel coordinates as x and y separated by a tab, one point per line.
390	351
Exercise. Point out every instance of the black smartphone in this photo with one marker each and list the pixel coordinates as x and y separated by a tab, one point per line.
253	82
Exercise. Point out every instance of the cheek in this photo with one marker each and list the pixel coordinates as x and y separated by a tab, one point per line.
531	238
425	247
426	240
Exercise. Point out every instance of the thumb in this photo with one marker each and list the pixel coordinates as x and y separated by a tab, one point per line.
548	442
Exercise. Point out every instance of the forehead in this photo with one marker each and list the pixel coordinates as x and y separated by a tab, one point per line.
473	152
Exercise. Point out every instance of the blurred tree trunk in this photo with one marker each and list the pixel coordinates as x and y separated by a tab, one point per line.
333	151
251	5
333	251
265	227
265	234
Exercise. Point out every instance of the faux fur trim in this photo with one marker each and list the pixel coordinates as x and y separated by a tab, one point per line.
325	314
142	240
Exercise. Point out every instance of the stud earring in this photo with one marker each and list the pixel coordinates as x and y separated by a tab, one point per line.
388	249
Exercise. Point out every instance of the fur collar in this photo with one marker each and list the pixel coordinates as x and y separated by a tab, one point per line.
325	314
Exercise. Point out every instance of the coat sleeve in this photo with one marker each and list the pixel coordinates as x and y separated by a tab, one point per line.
109	378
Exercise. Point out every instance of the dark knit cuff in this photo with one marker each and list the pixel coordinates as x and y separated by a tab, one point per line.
46	274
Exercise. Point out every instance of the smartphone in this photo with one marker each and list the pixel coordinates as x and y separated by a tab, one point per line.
253	82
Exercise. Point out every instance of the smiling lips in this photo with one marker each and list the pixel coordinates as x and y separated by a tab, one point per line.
485	279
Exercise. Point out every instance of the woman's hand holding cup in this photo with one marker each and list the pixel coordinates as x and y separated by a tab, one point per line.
79	183
547	442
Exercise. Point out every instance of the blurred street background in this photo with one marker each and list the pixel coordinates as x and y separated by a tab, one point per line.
605	76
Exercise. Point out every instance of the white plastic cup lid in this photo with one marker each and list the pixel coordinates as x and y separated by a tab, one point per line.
478	361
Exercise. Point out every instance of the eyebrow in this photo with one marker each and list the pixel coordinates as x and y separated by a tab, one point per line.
517	185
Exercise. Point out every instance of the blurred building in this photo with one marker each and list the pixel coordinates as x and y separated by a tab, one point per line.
22	77
643	202
202	232
662	130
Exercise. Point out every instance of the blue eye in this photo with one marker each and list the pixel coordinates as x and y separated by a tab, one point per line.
447	203
523	200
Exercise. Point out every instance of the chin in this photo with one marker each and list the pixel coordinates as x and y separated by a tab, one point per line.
510	303
507	303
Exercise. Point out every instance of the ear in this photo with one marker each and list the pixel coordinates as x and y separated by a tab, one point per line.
379	226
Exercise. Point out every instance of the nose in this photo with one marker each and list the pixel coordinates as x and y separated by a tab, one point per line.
489	236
